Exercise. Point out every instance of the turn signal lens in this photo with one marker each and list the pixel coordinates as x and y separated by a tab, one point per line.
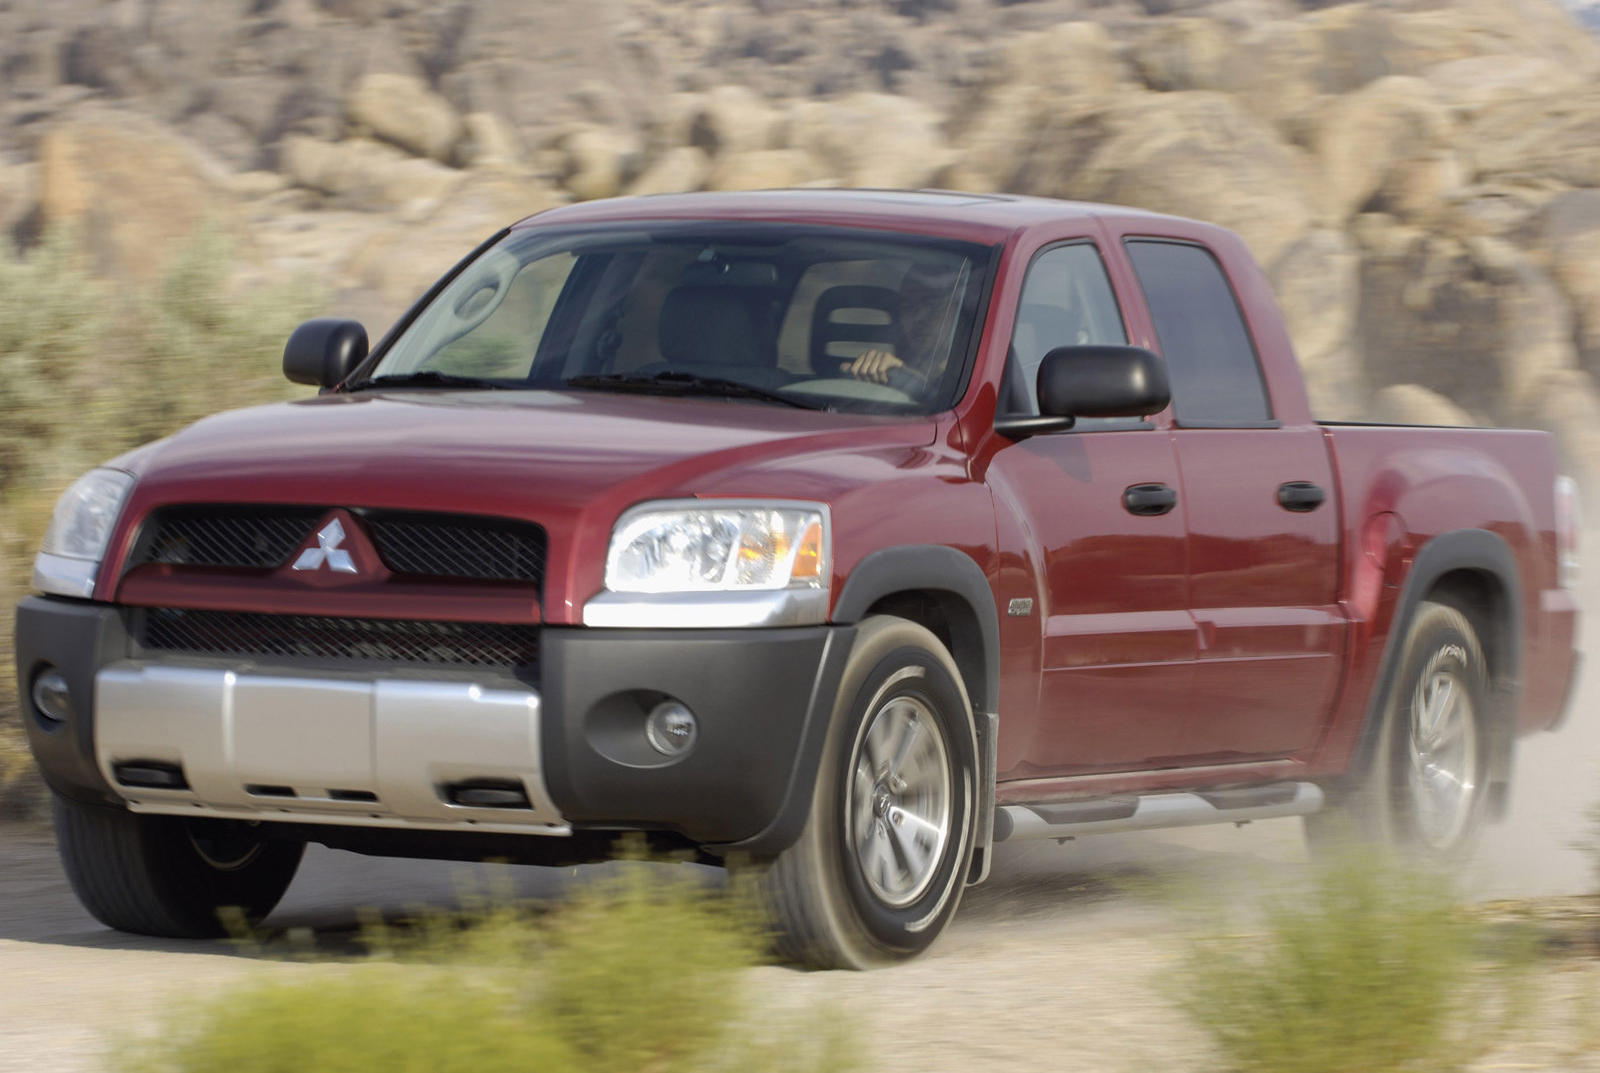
808	557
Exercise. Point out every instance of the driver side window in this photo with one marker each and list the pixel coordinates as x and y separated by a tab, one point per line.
1067	300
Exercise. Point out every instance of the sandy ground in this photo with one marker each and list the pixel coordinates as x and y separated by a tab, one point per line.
1065	960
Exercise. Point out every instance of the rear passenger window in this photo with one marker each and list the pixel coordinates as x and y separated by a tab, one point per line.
1216	379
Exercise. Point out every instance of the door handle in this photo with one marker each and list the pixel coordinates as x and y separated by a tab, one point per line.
1300	496
1149	499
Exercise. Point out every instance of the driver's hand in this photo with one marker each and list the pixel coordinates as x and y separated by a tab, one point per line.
874	365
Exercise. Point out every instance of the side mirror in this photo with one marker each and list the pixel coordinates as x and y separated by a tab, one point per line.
323	352
1093	381
1102	381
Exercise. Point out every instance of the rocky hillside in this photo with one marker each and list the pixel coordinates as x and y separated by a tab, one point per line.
1421	177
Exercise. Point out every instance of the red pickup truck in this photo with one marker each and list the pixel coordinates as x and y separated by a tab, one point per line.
846	533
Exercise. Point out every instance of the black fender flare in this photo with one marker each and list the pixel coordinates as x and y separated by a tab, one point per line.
932	567
1459	549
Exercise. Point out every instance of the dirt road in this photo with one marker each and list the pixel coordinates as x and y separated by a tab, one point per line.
1062	961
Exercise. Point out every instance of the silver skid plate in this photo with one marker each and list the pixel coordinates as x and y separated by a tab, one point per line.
373	752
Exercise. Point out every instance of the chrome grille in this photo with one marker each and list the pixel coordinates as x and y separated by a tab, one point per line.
321	637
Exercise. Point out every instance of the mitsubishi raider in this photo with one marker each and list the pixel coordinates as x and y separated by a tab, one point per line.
846	533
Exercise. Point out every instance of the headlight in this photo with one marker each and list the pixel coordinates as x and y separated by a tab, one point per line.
691	548
79	531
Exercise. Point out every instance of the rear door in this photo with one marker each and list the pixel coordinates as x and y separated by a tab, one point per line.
1258	499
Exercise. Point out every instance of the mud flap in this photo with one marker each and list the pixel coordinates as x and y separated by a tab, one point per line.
983	830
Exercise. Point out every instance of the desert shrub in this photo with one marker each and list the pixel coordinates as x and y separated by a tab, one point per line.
1374	968
91	367
637	974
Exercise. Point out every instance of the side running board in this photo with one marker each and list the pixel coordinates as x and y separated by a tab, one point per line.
1141	812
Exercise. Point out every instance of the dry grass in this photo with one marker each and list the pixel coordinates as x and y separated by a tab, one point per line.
637	974
1376	967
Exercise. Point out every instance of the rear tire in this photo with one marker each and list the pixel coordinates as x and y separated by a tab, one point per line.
879	869
1426	793
166	876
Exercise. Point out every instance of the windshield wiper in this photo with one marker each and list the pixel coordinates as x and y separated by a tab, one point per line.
676	383
427	378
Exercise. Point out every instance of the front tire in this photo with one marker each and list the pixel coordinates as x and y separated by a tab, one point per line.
1427	791
879	869
166	876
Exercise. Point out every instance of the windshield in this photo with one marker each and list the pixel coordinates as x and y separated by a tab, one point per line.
821	317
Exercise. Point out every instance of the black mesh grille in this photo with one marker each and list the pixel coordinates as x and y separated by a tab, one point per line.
227	536
251	634
417	544
445	546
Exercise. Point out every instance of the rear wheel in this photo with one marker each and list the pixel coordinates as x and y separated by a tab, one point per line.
1426	791
167	876
879	869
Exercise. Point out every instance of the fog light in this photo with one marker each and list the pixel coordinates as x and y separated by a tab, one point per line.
51	697
671	728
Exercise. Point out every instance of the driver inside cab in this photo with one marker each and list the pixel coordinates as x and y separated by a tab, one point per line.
930	301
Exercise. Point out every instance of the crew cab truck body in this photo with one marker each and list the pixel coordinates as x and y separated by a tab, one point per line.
630	525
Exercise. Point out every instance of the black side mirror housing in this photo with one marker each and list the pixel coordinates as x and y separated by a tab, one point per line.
323	352
1102	381
1092	381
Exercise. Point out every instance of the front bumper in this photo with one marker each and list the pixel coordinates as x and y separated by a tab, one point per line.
385	748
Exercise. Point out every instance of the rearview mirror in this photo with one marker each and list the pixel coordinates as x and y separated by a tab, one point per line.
323	352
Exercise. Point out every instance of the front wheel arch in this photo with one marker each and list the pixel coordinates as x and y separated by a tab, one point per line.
956	583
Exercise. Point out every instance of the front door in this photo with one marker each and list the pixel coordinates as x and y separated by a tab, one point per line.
1119	643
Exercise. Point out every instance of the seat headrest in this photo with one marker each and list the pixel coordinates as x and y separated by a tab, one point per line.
713	326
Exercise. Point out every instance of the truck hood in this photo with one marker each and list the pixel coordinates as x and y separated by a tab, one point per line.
532	454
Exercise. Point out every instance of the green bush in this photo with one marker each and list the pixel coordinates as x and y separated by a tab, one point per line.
636	974
1375	968
91	367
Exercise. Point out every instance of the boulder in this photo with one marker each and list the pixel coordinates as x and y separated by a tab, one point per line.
596	161
401	109
763	169
1032	80
1568	407
1413	404
1194	154
870	139
1555	136
675	171
134	189
1474	319
1427	315
1317	283
732	119
1476	84
490	142
368	175
1536	324
1569	234
1430	33
1359	138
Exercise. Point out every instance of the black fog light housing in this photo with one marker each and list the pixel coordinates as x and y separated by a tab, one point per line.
52	700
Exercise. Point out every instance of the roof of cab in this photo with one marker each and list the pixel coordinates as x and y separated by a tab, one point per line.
953	214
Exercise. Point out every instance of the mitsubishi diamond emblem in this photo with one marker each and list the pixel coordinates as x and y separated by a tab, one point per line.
328	551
